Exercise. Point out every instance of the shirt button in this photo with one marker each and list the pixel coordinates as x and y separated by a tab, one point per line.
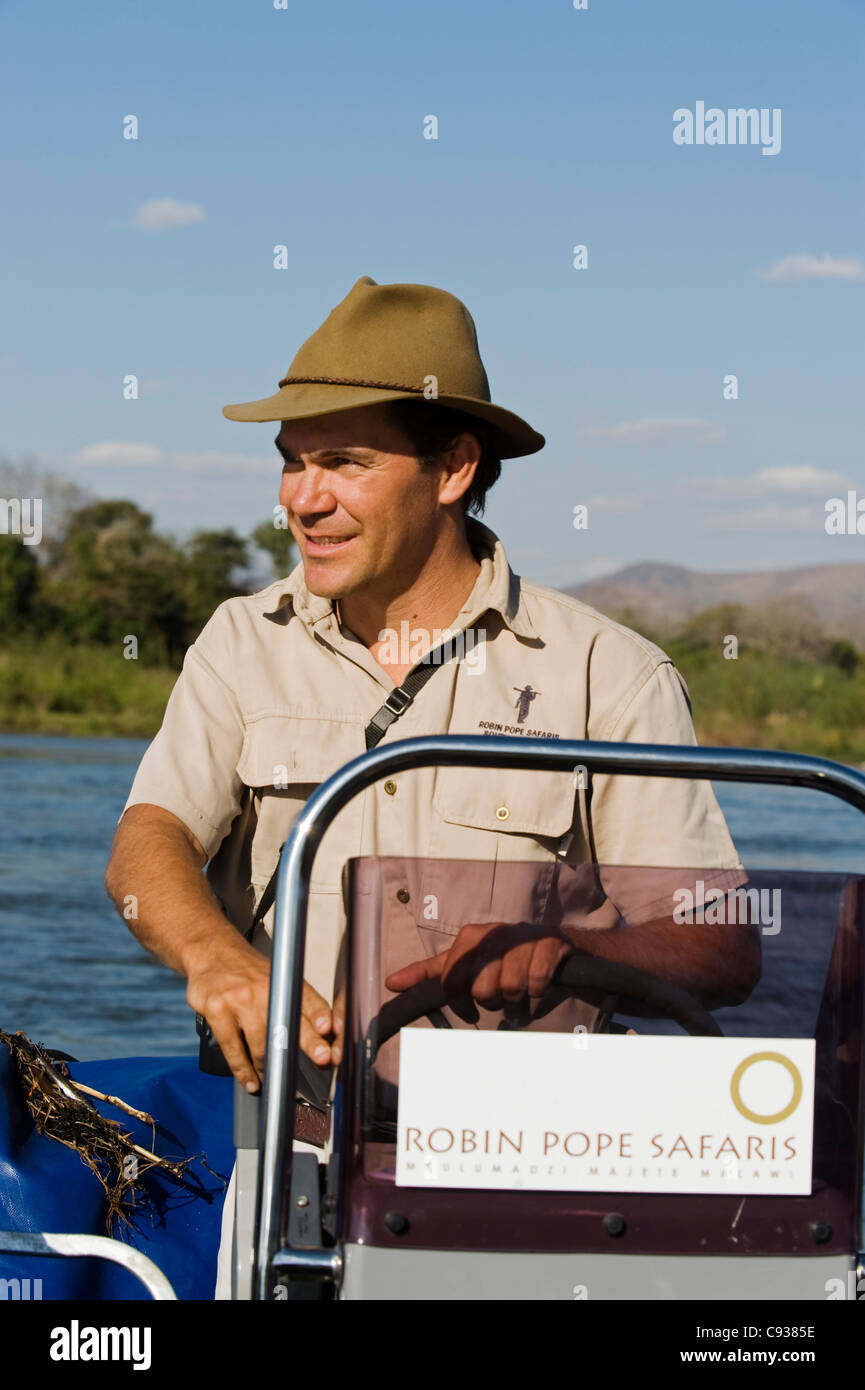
502	813
403	895
390	788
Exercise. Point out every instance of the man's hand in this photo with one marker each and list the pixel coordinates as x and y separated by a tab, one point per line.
494	964
231	991
156	863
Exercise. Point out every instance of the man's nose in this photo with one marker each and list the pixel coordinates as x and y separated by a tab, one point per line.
307	491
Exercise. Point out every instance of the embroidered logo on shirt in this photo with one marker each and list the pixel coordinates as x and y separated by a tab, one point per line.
523	702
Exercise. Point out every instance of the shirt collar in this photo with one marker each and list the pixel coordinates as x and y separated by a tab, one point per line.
496	588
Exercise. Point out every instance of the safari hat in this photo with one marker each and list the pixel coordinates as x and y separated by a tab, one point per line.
390	343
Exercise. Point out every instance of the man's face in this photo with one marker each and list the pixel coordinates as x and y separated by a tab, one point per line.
363	511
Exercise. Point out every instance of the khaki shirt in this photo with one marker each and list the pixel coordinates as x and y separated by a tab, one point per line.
274	696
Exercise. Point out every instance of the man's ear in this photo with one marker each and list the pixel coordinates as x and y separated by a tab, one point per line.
459	464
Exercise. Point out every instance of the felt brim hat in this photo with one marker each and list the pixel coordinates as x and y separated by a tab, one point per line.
390	343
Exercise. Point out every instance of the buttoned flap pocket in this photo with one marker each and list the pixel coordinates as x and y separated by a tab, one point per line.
456	893
283	750
284	758
508	801
512	825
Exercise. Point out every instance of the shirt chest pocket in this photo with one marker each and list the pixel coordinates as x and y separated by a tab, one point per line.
512	825
285	757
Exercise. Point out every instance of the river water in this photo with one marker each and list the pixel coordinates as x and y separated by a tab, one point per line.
73	977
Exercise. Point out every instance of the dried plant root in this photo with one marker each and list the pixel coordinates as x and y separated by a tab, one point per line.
115	1101
61	1110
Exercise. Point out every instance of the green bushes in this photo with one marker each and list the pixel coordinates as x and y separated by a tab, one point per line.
766	700
69	606
46	687
107	575
94	621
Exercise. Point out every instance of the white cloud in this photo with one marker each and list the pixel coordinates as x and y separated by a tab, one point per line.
804	266
802	478
663	430
771	518
161	214
114	453
792	479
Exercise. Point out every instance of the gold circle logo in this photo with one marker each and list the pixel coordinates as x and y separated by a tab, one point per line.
737	1081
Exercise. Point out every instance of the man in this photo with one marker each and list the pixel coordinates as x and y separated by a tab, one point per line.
279	690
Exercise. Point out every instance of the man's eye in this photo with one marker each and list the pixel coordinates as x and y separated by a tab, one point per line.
295	466
345	465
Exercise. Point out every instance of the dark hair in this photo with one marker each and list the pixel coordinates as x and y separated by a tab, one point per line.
431	429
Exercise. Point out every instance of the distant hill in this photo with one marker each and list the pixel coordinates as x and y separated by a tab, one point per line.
664	596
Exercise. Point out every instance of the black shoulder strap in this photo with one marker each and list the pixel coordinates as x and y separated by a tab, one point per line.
399	700
396	704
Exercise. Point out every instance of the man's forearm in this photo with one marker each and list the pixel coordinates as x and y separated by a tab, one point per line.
155	879
719	964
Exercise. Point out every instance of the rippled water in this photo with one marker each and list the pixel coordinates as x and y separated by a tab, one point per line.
73	976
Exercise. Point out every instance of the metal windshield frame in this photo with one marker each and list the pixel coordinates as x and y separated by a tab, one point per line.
272	1254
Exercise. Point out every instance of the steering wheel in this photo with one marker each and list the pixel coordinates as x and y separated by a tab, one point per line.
576	974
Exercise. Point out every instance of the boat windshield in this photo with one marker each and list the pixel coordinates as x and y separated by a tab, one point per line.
521	1123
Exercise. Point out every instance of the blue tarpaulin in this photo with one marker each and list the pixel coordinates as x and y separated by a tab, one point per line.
45	1186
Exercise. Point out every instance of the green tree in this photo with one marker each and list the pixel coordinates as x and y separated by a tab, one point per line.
113	576
214	562
844	655
19	575
278	543
707	629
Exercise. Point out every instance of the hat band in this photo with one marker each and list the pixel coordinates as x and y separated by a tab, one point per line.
349	381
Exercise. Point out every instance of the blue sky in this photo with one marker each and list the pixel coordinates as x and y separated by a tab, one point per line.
304	126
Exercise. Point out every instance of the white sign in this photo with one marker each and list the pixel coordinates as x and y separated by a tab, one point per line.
605	1112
